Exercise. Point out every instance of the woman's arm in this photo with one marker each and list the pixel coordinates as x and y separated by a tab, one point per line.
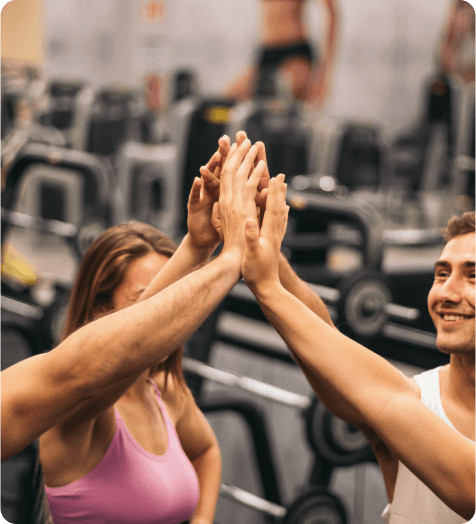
202	239
442	458
201	446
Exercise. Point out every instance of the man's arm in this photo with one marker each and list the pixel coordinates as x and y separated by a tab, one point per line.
298	288
39	392
439	456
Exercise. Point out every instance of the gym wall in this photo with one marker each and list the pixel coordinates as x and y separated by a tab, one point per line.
385	50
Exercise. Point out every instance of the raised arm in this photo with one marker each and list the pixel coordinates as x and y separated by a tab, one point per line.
442	458
202	239
39	392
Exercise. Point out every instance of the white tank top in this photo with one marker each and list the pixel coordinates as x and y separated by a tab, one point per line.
413	502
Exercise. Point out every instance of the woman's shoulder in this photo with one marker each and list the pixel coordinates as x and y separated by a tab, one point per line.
175	397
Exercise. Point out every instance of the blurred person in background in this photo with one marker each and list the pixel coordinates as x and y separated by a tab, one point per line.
285	48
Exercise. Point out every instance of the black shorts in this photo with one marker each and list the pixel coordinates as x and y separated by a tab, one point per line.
273	57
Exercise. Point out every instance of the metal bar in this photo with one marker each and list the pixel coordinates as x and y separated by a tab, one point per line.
332	296
262	389
409	335
253	501
22	308
53	226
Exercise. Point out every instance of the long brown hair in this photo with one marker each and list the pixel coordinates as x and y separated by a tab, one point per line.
103	268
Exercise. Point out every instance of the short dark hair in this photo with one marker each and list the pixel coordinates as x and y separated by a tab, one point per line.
459	226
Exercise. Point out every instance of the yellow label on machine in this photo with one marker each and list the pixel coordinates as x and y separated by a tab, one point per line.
217	114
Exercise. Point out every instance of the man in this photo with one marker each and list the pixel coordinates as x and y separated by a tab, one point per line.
42	390
448	391
368	392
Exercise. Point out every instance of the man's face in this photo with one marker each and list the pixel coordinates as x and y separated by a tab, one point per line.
451	298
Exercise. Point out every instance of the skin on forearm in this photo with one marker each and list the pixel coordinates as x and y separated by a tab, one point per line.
381	396
184	260
297	287
208	468
133	339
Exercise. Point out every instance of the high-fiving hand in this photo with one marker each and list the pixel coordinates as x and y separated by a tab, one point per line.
237	194
263	246
203	235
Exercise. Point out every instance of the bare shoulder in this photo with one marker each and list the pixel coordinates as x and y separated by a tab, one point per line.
177	400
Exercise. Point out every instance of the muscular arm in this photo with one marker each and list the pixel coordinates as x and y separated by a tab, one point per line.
107	351
297	287
442	458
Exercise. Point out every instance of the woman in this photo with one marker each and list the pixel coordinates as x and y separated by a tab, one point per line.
285	48
146	454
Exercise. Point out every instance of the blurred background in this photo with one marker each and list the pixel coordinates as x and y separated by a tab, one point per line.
108	110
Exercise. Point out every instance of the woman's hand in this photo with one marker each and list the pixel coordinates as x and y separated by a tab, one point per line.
203	236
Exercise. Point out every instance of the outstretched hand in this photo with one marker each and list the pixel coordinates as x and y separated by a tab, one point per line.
262	247
212	178
202	196
237	194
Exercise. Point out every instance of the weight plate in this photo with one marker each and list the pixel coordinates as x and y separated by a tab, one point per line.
333	439
364	296
89	229
316	507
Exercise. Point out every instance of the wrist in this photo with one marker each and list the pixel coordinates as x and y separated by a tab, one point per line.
200	253
265	289
232	259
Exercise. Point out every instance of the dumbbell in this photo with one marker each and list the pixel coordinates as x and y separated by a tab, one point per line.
79	236
331	438
362	302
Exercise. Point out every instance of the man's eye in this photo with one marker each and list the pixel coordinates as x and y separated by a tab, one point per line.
441	274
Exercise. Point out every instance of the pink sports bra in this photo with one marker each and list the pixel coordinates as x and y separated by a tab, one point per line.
131	485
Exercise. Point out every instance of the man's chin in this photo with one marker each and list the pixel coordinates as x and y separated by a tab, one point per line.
449	347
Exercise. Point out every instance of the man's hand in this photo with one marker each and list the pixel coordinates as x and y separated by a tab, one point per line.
262	249
237	195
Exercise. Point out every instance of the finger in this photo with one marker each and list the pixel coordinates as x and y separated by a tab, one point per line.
256	174
216	219
223	149
214	161
262	156
270	216
210	179
246	166
194	196
251	235
237	158
241	136
224	145
226	186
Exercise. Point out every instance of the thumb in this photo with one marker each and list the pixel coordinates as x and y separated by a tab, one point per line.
251	234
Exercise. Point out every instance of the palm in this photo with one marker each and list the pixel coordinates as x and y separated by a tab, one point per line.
199	223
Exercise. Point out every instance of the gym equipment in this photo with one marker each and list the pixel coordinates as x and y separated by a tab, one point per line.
283	127
316	507
352	153
332	439
149	180
165	172
101	198
115	117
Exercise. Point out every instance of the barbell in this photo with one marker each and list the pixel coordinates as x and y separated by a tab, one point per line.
79	236
331	438
362	303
